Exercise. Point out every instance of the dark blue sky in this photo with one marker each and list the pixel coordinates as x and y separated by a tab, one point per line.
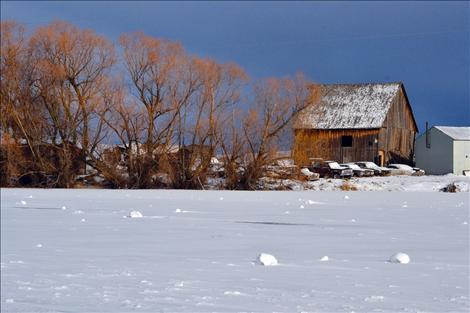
424	44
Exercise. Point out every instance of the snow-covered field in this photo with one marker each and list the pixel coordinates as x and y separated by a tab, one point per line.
196	251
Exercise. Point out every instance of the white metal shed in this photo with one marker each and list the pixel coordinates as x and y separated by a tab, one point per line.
443	150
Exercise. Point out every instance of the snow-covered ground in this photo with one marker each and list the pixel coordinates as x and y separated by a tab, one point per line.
197	251
388	183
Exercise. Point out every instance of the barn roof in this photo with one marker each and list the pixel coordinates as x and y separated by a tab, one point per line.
349	106
456	133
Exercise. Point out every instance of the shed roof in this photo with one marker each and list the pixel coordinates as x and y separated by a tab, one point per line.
456	133
350	106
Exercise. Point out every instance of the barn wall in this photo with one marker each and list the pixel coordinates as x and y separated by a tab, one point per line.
396	137
326	144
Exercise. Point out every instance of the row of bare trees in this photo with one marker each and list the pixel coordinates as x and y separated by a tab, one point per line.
149	116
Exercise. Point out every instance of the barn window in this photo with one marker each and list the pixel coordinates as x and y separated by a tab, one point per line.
346	141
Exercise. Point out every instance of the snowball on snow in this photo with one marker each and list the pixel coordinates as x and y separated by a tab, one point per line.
39	245
178	211
400	257
135	214
267	259
325	258
346	197
64	207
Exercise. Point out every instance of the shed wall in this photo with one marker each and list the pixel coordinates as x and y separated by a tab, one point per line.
461	156
438	158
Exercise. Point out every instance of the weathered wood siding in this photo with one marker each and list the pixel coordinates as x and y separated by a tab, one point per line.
395	139
397	135
326	144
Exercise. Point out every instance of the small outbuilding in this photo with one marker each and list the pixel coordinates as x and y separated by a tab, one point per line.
444	149
357	122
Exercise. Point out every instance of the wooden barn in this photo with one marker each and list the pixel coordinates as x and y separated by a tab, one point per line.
357	122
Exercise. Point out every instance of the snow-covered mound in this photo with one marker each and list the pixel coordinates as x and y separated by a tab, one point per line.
400	257
135	214
267	259
21	203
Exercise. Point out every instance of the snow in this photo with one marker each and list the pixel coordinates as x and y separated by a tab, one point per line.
353	166
400	257
349	106
335	165
204	262
267	259
426	183
401	167
135	214
305	171
456	133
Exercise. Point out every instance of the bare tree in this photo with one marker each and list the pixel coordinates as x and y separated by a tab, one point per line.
200	122
163	81
72	68
276	104
23	127
170	113
233	148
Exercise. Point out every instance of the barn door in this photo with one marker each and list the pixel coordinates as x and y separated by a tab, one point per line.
346	149
346	155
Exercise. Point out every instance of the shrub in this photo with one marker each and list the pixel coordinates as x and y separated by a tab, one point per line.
347	186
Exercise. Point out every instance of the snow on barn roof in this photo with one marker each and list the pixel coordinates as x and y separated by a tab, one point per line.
349	106
456	133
